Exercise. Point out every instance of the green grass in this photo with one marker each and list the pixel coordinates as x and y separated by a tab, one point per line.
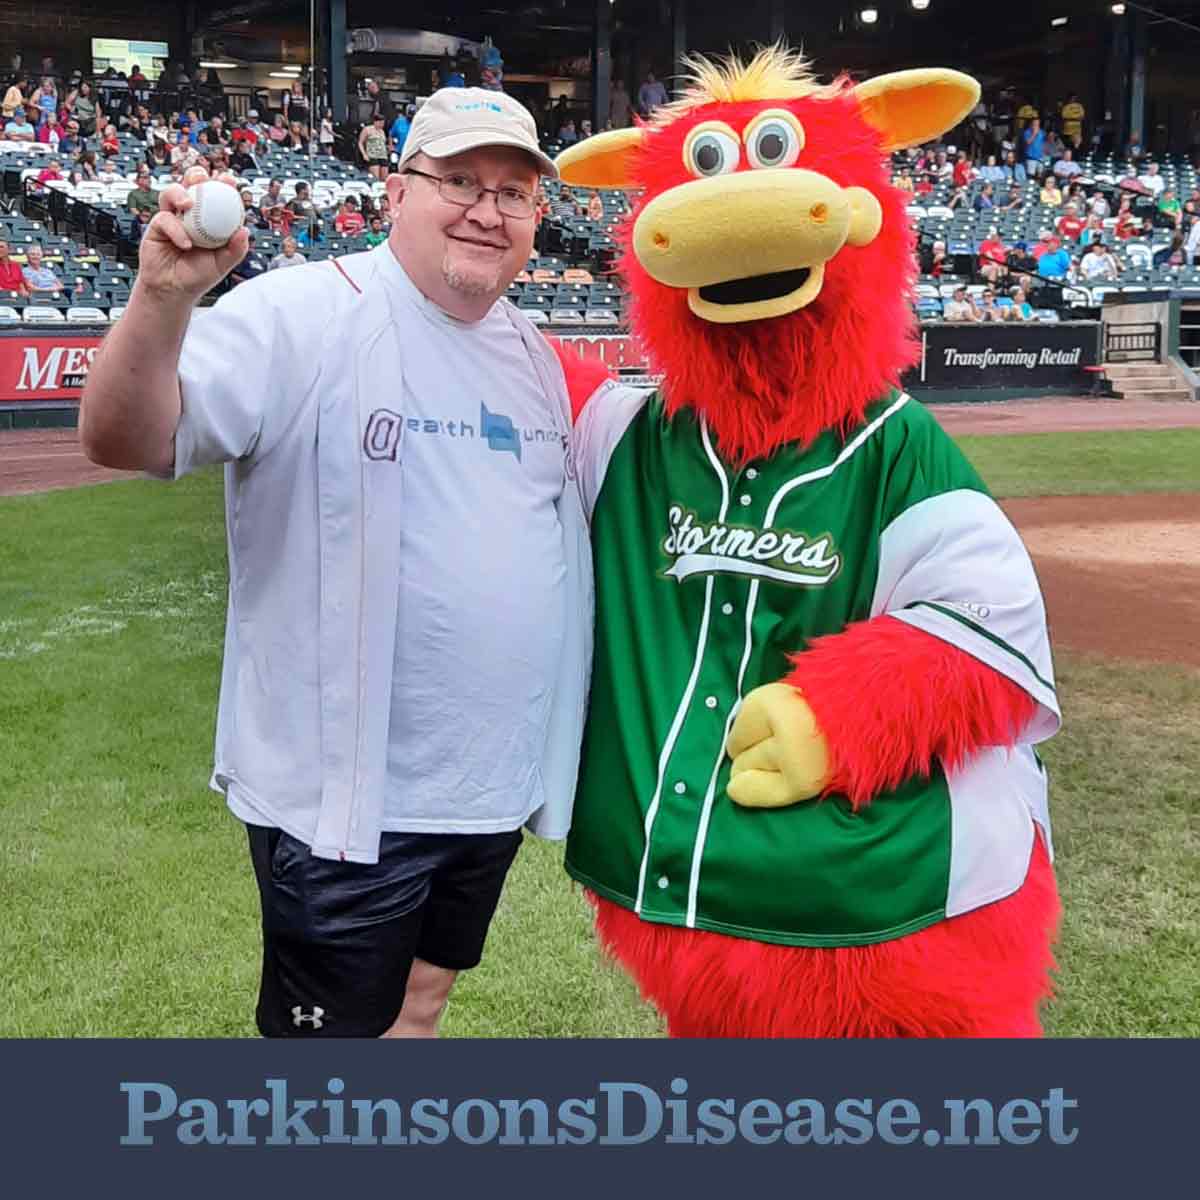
1073	464
130	908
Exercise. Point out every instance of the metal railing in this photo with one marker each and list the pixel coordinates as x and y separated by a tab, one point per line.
1139	342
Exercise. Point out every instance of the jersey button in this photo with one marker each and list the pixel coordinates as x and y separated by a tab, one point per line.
710	702
680	788
727	609
663	881
743	500
751	473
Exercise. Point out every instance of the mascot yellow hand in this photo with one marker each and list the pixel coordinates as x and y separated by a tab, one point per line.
779	755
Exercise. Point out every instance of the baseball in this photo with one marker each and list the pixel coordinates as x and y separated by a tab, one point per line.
215	216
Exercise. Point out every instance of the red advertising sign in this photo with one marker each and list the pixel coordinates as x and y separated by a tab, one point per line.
618	352
44	368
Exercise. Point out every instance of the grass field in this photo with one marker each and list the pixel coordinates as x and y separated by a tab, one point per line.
129	903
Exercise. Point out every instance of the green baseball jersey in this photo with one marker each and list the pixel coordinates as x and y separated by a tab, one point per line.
708	575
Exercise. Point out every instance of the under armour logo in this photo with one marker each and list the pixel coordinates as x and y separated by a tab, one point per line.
299	1016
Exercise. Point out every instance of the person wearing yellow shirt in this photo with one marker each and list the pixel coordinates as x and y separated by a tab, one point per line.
1073	114
1025	114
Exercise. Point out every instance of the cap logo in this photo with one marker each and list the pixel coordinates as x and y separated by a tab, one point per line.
475	106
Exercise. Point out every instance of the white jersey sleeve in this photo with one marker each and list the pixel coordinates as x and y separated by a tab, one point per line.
598	430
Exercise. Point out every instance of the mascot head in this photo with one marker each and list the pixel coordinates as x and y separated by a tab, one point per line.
769	259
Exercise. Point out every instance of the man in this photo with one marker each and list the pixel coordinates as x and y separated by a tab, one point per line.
1152	181
20	129
619	106
251	266
961	308
1070	224
398	133
991	171
12	278
408	641
963	170
1067	168
39	278
651	95
376	235
291	256
1073	114
1033	143
1097	264
304	211
1014	171
993	256
1053	260
349	221
241	162
1026	115
984	201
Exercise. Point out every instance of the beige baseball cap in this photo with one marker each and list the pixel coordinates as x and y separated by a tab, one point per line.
454	120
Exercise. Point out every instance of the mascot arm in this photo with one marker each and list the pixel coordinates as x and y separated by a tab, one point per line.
954	659
585	376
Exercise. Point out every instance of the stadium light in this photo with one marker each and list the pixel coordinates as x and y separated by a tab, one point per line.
283	75
1056	21
869	16
218	65
1118	10
920	5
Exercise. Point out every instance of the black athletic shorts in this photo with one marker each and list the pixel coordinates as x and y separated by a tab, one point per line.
339	938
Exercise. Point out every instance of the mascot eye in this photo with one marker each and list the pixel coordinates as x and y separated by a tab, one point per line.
775	139
712	151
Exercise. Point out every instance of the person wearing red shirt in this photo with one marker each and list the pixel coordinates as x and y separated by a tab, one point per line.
1071	225
1127	224
992	257
349	221
963	171
11	277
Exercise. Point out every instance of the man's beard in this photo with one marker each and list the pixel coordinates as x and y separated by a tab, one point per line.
468	282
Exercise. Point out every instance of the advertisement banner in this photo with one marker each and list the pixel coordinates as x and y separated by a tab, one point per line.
1010	356
33	367
617	351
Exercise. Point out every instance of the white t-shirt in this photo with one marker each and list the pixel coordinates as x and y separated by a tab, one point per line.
1156	183
481	619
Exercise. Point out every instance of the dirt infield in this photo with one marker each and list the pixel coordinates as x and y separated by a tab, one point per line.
41	460
1121	574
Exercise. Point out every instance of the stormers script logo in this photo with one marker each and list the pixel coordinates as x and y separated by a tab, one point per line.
705	548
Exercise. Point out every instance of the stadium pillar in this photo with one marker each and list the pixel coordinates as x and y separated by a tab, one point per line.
333	55
601	62
1137	77
678	43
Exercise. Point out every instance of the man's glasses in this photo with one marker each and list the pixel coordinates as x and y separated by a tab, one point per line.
465	191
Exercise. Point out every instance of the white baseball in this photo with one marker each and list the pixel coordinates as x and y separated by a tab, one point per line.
216	214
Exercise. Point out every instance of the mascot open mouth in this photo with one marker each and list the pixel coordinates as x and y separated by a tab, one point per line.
755	287
757	297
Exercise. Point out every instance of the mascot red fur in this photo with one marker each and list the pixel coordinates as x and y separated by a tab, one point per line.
809	803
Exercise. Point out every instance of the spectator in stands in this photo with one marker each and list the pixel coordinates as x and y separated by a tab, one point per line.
51	131
987	308
942	168
1170	210
20	128
567	134
242	160
108	172
1152	181
12	278
140	224
218	160
1098	206
274	196
297	138
295	105
325	134
85	110
595	208
1033	145
70	143
51	172
251	214
1191	247
379	101
651	95
255	128
278	131
961	307
39	278
291	256
143	194
250	267
1073	114
993	257
1016	199
1067	168
87	166
1092	232
962	171
1053	260
14	97
904	180
619	105
46	97
1134	151
1095	265
985	201
1174	255
376	235
1054	149
373	147
302	208
1021	309
349	221
218	135
1050	196
991	172
1014	171
1070	224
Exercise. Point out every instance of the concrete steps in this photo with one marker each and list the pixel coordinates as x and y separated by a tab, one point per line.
1147	381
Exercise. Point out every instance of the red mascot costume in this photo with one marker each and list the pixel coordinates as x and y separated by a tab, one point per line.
809	803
